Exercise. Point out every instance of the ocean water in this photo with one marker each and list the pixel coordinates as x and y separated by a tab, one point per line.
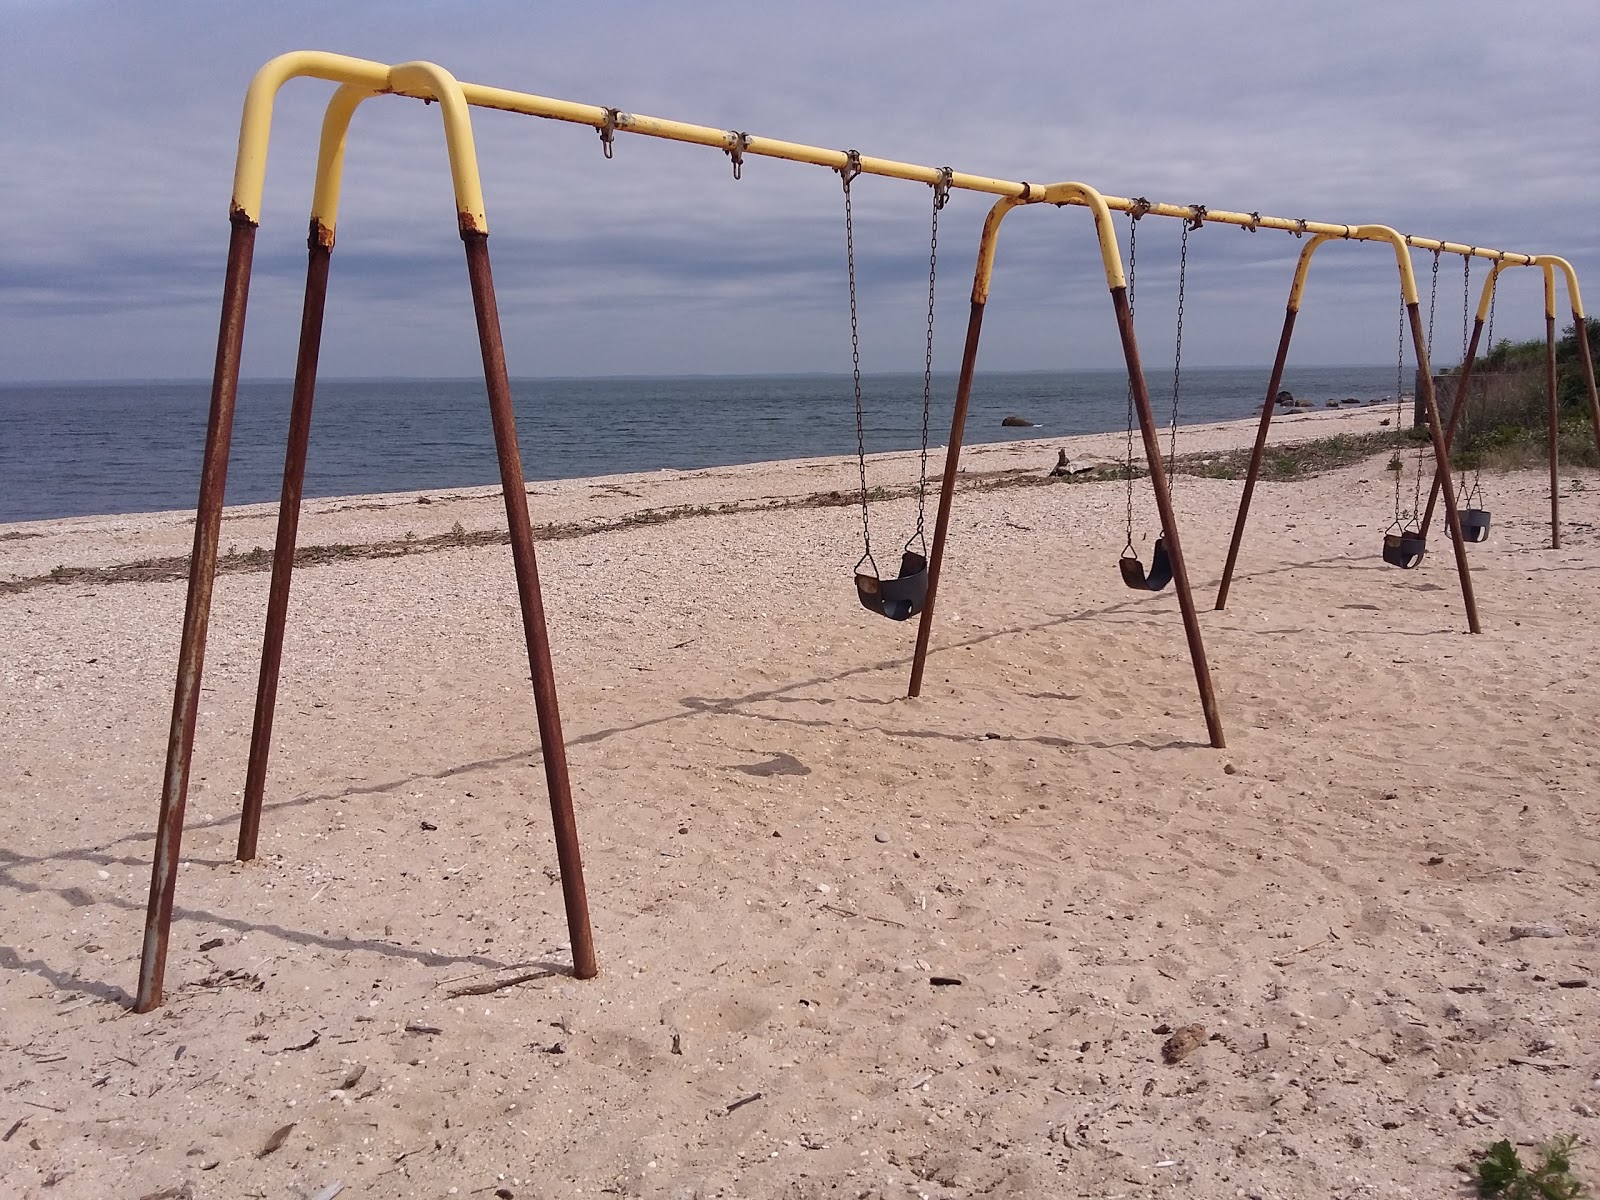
77	449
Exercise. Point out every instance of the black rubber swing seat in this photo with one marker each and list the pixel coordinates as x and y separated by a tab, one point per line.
1475	524
1404	549
900	598
1133	572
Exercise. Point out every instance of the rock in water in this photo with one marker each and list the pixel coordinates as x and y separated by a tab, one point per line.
1016	422
1285	398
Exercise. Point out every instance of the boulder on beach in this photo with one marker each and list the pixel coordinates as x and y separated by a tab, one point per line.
1015	422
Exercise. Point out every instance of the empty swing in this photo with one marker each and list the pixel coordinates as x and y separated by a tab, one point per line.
1160	574
1469	500
1404	544
903	596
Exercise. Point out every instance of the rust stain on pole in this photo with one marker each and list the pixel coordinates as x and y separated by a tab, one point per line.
196	616
533	620
947	489
1456	411
1255	457
320	249
1554	423
1580	327
1441	459
1169	518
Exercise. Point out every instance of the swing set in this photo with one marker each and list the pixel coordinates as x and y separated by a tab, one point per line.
912	592
1405	543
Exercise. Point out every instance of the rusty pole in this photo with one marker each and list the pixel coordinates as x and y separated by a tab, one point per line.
947	489
1169	517
1554	423
320	249
1441	459
196	614
1580	326
1255	456
533	623
1456	411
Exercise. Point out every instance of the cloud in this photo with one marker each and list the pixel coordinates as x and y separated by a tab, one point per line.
1443	119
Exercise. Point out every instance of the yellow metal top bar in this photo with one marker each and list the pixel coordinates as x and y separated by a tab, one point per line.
425	81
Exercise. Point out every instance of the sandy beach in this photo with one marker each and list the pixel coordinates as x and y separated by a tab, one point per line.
851	944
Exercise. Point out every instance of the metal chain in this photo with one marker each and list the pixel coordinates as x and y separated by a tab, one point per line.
1433	299
1399	404
1177	351
849	171
1466	305
941	193
1133	258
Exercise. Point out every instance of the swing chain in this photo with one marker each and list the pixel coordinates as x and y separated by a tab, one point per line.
1399	404
849	171
738	143
1177	349
1433	299
941	193
608	132
1140	207
1466	300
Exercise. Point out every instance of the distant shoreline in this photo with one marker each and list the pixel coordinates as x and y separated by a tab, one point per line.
154	546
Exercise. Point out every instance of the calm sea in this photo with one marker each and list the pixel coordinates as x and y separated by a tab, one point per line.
76	449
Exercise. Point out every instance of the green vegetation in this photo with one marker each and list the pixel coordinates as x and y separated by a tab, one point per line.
1505	425
1501	1172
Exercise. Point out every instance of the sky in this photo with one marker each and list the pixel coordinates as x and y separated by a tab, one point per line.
1456	119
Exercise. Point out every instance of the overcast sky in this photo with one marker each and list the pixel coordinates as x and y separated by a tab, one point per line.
1467	120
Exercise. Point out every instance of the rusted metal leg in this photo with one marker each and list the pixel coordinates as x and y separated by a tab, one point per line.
1441	459
1554	423
1580	326
196	615
1255	457
533	623
320	246
947	489
1456	410
1169	517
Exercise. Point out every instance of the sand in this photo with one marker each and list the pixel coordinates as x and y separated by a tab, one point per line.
784	854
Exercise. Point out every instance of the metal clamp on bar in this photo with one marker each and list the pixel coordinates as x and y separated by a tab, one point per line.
1141	206
1196	217
608	131
941	188
738	143
1253	223
1301	228
851	167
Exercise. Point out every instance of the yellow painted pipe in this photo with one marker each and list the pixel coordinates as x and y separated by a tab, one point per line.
425	78
330	159
425	81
